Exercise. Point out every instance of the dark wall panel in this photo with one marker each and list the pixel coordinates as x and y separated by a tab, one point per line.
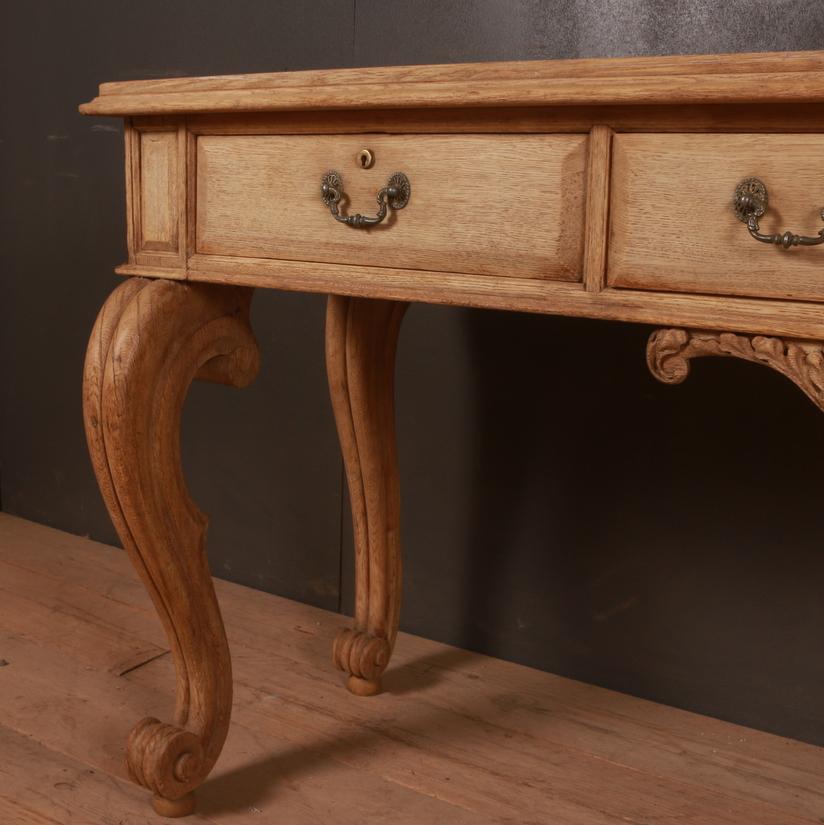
565	510
263	462
560	507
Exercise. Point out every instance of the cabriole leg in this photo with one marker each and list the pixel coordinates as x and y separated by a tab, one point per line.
151	339
361	338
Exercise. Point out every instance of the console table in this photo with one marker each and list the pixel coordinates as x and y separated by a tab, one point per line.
682	192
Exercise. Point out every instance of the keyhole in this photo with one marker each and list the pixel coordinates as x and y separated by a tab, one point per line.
366	158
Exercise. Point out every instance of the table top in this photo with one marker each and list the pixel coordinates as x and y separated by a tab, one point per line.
639	159
760	77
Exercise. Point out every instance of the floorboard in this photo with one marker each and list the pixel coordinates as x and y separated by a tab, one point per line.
456	738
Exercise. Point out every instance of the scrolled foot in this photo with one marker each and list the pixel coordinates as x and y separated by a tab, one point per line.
364	657
167	760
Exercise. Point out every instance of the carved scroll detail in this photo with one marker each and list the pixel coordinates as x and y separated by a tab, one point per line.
151	339
669	352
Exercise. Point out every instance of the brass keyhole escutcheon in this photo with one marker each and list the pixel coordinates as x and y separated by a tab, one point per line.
365	158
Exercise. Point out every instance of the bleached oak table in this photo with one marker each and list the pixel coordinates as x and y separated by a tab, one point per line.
680	192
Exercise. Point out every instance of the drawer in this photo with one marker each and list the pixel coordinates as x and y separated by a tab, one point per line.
508	205
672	223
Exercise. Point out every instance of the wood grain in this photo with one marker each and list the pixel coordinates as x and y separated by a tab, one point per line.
484	204
156	165
732	117
784	318
158	191
597	208
537	70
673	226
361	339
450	738
131	157
150	340
718	79
40	786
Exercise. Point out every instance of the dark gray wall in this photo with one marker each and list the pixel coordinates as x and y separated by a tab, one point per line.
560	508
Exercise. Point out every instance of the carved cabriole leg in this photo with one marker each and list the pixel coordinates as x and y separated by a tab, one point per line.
151	339
361	339
669	352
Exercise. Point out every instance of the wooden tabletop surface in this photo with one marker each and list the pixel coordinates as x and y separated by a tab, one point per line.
776	77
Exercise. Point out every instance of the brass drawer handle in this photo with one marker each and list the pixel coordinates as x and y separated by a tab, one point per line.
395	195
750	202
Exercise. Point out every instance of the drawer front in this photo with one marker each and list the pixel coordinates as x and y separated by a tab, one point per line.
482	204
673	226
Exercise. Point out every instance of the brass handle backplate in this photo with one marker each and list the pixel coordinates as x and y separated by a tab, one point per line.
394	195
750	203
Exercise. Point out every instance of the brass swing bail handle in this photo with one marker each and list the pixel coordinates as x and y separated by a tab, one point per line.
394	195
750	203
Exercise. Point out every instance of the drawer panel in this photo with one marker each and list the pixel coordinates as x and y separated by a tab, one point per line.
673	225
156	194
481	204
158	191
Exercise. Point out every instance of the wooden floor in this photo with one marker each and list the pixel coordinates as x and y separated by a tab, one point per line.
457	738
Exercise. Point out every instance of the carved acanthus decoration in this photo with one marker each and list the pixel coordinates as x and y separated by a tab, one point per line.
669	352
